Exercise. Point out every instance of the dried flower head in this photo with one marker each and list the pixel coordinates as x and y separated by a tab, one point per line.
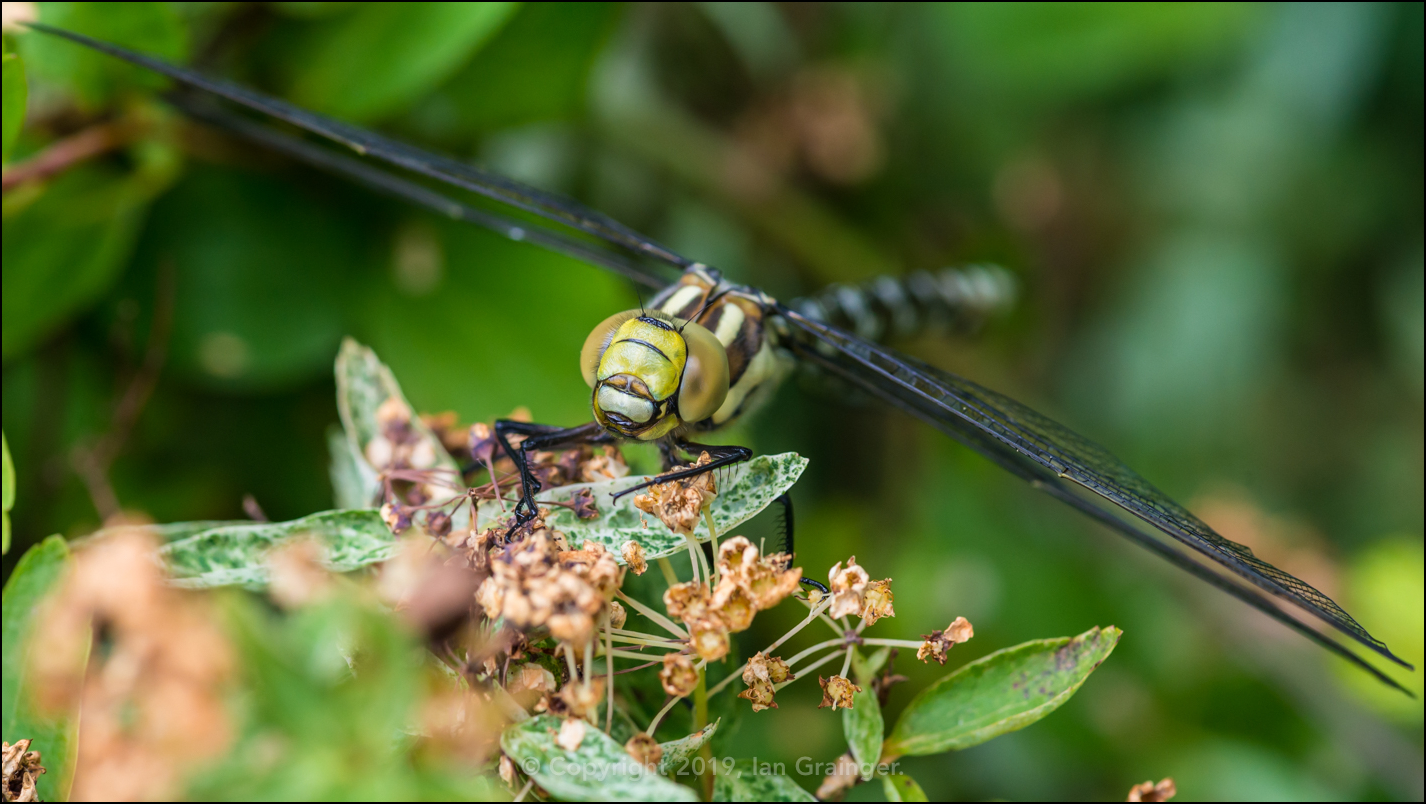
532	584
606	464
766	580
680	503
678	675
645	750
848	585
687	601
733	605
837	692
877	601
483	445
22	771
937	643
633	553
596	566
507	771
571	734
709	637
761	675
529	681
1148	791
297	577
617	615
582	698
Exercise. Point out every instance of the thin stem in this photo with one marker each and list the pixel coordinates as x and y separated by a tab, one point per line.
809	668
659	619
695	557
655	724
847	665
641	635
832	624
628	654
810	616
712	537
895	643
666	567
819	646
700	721
569	657
652	642
609	672
526	789
588	658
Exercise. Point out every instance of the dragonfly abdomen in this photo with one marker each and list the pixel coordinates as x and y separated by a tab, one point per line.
950	300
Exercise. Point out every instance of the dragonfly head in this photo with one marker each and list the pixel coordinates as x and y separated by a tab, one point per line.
651	373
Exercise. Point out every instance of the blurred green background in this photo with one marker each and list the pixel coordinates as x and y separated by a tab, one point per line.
1214	213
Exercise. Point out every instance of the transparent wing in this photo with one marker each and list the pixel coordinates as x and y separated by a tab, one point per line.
442	168
1070	468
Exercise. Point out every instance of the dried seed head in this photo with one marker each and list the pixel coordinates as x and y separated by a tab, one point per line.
709	637
438	523
687	601
877	601
937	643
645	750
848	585
571	734
483	444
1148	791
761	674
22	771
507	771
607	464
396	517
584	507
837	692
678	675
617	615
680	503
581	699
733	605
633	553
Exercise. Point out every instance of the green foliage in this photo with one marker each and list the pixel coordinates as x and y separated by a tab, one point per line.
750	781
377	57
597	770
7	488
16	91
54	733
900	787
864	729
677	753
1000	693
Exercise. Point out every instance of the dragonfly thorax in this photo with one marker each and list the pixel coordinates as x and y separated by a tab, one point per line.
651	373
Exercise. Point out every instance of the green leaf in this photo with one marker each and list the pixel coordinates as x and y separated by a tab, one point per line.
230	555
363	384
900	787
64	250
864	669
92	77
54	735
15	93
598	770
743	491
1000	693
751	781
354	482
382	56
864	729
7	489
677	752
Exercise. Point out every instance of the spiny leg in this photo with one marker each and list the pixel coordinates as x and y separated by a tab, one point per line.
786	502
540	437
722	455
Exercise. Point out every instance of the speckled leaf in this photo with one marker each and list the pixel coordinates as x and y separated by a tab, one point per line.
354	482
363	383
677	752
900	787
171	532
750	781
743	491
1000	693
863	727
599	770
237	554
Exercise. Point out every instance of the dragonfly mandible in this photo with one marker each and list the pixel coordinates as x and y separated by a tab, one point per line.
1025	443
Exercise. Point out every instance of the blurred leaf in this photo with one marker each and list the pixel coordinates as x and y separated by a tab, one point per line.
7	489
900	787
749	781
93	78
262	272
36	573
865	668
864	729
382	56
677	752
1385	587
743	490
536	69
1000	693
598	770
237	554
15	93
66	248
354	482
171	532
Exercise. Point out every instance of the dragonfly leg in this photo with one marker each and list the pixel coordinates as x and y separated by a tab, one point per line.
722	455
540	437
785	501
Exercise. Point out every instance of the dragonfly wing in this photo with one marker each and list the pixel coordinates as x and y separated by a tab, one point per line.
367	143
1070	468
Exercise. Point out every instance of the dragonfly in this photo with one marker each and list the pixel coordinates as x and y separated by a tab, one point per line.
706	350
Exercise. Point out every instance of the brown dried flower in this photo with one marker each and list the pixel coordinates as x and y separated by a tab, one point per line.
529	681
848	585
297	577
1148	791
645	750
845	774
507	771
762	578
22	771
678	676
709	637
532	584
617	615
633	553
877	601
571	734
733	605
607	464
687	601
581	699
837	692
939	642
680	503
761	675
584	507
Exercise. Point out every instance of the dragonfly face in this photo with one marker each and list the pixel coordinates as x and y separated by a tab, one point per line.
712	350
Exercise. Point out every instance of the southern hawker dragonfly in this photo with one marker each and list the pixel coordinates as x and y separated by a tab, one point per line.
706	350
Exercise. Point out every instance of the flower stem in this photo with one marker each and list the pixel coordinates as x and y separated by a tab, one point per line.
609	673
669	575
847	665
700	721
811	615
661	620
819	646
802	671
895	643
